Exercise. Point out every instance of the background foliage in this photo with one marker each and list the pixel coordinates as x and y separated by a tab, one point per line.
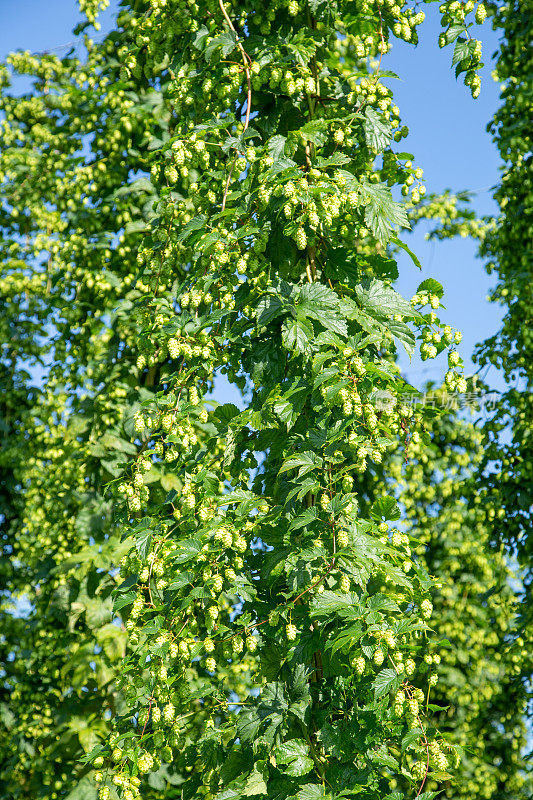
218	601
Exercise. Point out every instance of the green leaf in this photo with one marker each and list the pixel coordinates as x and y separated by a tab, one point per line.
380	299
322	303
195	224
386	681
316	295
404	334
226	41
385	508
187	550
380	602
311	791
328	603
223	414
346	640
454	31
307	461
381	756
293	755
412	737
170	481
382	213
229	793
269	308
378	132
461	52
297	335
307	518
230	448
136	226
248	725
396	241
276	147
113	640
84	790
286	411
97	611
315	131
256	783
143	542
431	286
334	160
307	486
199	40
281	164
342	266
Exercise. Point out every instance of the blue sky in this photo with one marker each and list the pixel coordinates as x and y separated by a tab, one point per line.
448	139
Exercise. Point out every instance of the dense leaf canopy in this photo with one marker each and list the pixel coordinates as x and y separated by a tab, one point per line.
296	595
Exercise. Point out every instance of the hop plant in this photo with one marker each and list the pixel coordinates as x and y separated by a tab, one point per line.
291	632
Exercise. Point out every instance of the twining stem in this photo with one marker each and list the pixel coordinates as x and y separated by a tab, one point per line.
246	61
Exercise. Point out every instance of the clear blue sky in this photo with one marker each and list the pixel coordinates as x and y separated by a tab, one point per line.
448	139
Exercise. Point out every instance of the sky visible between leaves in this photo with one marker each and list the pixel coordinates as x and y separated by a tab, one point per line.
448	139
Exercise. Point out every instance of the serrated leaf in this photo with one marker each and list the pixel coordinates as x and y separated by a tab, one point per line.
230	448
382	757
334	160
382	213
461	52
268	309
404	334
256	781
195	224
380	602
316	295
143	544
307	486
328	603
410	738
432	286
307	518
289	407
315	131
187	550
311	791
276	147
293	756
225	413
385	681
322	303
84	790
113	640
385	508
307	461
201	36
248	725
346	640
297	335
226	41
378	132
453	32
281	164
379	299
